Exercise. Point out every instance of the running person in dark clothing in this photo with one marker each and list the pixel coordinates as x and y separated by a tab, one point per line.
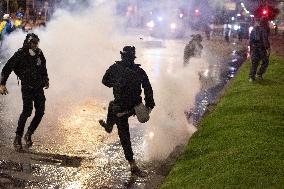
126	78
29	64
192	49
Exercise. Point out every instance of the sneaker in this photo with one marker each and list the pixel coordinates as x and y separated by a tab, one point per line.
259	77
18	143
136	171
107	128
28	139
251	79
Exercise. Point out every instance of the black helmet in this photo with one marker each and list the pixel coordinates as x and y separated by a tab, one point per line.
128	53
128	50
31	37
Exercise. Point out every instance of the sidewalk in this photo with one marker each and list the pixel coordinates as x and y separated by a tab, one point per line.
240	143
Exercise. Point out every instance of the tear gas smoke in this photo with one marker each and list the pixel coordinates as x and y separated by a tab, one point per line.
79	47
168	126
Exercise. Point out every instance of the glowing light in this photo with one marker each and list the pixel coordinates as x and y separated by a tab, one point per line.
236	27
197	12
173	26
160	18
151	24
231	68
250	29
234	60
151	135
180	15
264	12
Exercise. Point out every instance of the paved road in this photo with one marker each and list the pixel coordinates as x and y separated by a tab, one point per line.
71	150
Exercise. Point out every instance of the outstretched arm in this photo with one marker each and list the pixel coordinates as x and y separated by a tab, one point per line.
6	71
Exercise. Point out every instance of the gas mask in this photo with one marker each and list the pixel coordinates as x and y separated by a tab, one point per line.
32	52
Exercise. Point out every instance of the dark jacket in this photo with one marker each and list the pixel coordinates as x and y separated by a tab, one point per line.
31	70
259	39
126	80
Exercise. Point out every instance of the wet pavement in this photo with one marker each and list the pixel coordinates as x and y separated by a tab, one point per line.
222	71
72	151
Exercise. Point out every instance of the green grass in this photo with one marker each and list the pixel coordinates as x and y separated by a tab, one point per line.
241	143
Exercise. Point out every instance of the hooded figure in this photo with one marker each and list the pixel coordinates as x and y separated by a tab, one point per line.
193	48
29	64
126	79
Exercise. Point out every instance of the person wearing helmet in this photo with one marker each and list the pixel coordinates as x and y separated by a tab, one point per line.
126	79
259	49
193	48
29	64
19	20
6	26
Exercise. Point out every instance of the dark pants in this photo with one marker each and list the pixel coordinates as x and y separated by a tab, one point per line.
258	55
122	127
30	96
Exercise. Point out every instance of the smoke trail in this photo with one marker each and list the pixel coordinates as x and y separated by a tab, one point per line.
168	126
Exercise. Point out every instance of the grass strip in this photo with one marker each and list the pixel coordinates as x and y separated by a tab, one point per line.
240	144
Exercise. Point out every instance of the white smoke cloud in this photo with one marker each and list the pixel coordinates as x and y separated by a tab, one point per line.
79	47
168	126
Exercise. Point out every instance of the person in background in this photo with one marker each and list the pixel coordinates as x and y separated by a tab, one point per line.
6	26
19	20
259	50
193	48
227	31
